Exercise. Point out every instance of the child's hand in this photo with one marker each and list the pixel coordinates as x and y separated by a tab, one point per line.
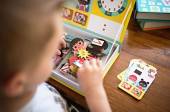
91	82
61	44
90	75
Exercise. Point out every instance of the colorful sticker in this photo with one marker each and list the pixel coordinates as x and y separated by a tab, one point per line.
80	18
126	86
98	42
137	92
132	79
139	76
82	53
68	13
83	5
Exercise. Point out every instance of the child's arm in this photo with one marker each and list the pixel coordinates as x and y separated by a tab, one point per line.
91	82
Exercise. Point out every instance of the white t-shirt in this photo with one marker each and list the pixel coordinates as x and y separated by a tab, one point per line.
46	99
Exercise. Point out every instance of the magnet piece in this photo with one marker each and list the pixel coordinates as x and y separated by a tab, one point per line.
133	78
98	42
78	63
73	69
80	18
137	72
143	83
126	86
67	13
97	47
137	92
72	59
76	44
151	73
65	68
81	60
141	65
82	53
83	5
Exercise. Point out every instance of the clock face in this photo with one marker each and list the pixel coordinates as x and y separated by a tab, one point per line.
112	7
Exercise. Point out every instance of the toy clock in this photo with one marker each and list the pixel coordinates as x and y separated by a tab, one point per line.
112	7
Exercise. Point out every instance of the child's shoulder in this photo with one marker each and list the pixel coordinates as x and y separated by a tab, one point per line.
45	99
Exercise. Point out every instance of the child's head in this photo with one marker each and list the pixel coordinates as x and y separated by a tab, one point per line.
30	34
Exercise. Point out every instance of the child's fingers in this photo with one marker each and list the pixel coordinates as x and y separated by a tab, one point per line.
86	63
99	62
96	63
63	43
84	67
58	52
93	63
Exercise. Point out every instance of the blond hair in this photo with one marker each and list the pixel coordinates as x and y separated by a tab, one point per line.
25	29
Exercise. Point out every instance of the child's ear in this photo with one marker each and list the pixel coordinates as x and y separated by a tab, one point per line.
15	85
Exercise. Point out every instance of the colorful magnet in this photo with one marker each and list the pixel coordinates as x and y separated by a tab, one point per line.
67	13
80	18
97	42
143	83
83	5
133	78
65	68
138	72
82	53
97	47
137	92
77	44
126	86
73	69
72	59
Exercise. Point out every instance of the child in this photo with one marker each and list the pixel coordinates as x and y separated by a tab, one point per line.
30	33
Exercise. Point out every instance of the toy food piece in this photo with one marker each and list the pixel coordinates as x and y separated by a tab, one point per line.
97	47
